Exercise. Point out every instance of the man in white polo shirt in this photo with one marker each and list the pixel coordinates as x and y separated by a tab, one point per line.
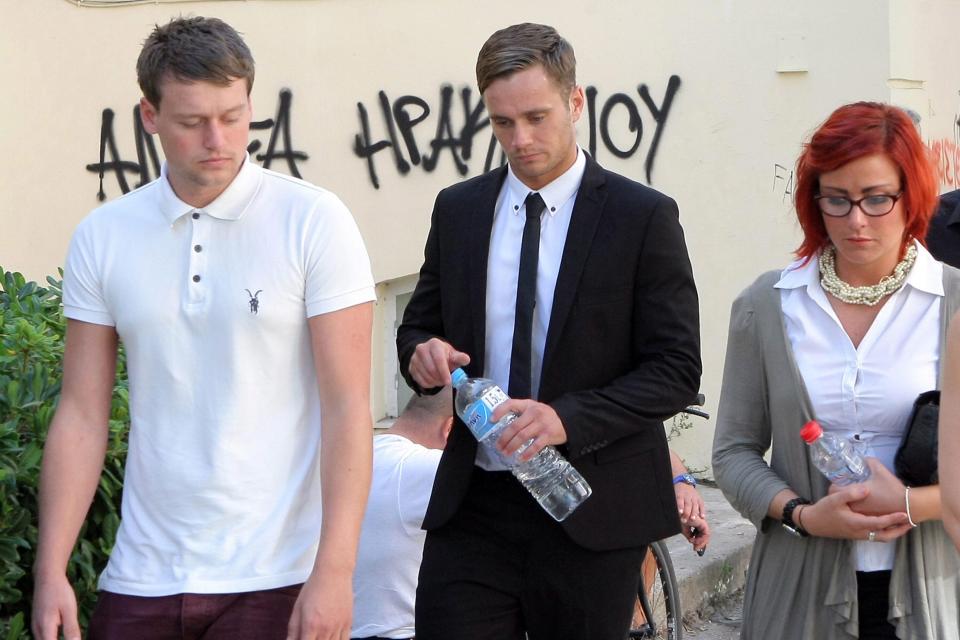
405	460
243	300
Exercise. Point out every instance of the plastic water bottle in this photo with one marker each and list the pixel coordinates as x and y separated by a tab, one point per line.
834	455
553	481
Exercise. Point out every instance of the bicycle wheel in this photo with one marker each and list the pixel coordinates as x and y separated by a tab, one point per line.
657	612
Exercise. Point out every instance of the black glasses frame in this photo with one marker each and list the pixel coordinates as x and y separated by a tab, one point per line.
856	203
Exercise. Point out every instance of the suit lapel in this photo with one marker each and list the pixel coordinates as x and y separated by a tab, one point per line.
478	249
587	210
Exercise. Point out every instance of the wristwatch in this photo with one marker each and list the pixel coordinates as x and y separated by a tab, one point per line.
685	478
787	517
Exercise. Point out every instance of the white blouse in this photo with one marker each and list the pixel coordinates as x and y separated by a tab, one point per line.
866	393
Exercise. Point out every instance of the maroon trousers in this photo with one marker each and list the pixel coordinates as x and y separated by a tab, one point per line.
254	615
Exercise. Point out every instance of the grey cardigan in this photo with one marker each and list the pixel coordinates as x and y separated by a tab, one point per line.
800	588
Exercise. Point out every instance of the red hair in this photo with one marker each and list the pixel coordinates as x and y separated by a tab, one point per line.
851	132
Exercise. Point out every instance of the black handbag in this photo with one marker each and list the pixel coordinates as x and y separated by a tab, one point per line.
916	459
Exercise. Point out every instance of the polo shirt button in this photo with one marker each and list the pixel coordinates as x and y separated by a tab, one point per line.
196	216
197	248
196	278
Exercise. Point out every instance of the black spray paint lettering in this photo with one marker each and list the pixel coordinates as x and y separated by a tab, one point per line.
146	151
147	165
634	121
397	117
401	116
782	181
279	126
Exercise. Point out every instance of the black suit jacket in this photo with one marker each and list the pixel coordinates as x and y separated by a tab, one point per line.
622	348
943	237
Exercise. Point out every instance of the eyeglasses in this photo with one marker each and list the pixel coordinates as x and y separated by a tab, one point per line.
875	205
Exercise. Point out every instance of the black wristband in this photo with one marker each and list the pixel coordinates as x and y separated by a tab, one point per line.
787	517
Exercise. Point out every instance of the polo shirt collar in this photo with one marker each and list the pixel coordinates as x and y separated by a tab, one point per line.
555	194
229	205
926	274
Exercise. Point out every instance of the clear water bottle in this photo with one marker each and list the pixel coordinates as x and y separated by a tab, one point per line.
554	482
834	455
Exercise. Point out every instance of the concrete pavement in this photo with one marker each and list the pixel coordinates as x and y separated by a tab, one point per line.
721	572
724	623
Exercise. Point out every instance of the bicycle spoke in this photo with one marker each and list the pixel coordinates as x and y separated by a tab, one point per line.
655	611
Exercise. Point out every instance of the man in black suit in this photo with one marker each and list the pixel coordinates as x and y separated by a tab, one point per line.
943	236
597	347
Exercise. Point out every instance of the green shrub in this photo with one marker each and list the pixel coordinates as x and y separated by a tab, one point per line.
31	350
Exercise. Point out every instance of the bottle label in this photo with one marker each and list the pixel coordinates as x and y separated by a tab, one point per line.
477	414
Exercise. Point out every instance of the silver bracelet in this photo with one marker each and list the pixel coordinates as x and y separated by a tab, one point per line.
906	498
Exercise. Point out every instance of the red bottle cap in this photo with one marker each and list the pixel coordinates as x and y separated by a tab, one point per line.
811	431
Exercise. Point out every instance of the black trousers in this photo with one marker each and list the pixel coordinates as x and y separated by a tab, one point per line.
502	567
873	602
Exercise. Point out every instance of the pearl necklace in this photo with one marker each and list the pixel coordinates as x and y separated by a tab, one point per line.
870	294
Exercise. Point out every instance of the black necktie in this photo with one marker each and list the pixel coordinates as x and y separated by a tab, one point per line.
521	356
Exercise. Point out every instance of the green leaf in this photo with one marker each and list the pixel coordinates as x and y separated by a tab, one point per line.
13	393
27	290
32	330
31	456
9	553
16	631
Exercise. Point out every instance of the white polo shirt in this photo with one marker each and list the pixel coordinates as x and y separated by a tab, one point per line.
222	484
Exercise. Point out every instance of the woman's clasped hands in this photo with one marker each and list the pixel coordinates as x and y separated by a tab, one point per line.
875	506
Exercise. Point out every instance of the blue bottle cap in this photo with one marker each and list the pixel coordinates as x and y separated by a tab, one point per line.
457	376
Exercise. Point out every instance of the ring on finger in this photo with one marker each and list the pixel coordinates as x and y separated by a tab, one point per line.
872	536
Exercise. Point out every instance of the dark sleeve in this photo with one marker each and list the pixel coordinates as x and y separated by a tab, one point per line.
665	376
943	237
423	317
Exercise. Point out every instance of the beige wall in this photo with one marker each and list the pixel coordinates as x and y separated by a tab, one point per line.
755	77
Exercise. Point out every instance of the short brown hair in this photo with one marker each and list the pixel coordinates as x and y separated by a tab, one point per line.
523	45
430	408
193	49
850	133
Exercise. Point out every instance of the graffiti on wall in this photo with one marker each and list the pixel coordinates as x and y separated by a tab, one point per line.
783	182
945	155
618	122
399	118
145	165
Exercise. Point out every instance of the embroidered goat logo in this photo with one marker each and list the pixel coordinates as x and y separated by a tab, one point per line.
254	301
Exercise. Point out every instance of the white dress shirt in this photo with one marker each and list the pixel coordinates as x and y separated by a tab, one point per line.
866	393
503	266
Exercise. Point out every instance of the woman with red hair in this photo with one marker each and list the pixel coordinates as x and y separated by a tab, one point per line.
848	334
